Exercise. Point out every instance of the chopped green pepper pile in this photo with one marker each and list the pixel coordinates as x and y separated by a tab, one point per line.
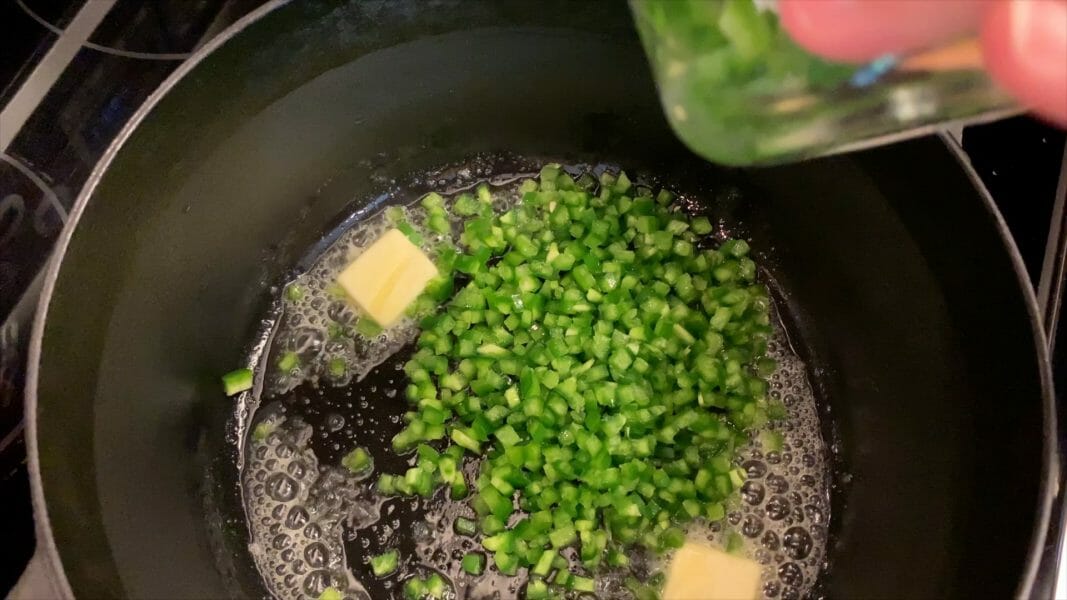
734	42
603	360
722	68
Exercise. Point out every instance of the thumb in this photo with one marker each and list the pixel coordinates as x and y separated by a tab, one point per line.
1025	47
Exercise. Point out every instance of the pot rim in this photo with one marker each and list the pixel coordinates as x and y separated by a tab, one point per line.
1051	468
47	550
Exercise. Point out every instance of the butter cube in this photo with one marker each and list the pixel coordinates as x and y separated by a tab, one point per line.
700	572
387	277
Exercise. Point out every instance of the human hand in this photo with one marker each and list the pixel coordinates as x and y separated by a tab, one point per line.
1024	42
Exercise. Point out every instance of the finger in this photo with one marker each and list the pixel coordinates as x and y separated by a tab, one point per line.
860	30
1025	46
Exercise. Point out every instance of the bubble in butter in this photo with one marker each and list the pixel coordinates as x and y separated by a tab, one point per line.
700	572
387	277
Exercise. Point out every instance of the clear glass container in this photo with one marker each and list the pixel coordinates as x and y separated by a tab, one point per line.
739	91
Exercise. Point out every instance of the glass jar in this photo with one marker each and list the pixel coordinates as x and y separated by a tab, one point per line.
739	91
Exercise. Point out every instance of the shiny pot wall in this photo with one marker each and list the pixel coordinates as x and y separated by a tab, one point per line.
906	296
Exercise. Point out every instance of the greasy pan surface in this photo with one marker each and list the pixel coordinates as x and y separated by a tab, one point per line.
904	293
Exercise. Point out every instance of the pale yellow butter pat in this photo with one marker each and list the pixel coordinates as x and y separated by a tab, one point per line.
699	572
387	277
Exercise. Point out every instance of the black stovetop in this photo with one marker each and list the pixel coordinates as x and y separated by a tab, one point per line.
76	102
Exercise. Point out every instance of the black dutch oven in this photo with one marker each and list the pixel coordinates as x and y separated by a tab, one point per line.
904	291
